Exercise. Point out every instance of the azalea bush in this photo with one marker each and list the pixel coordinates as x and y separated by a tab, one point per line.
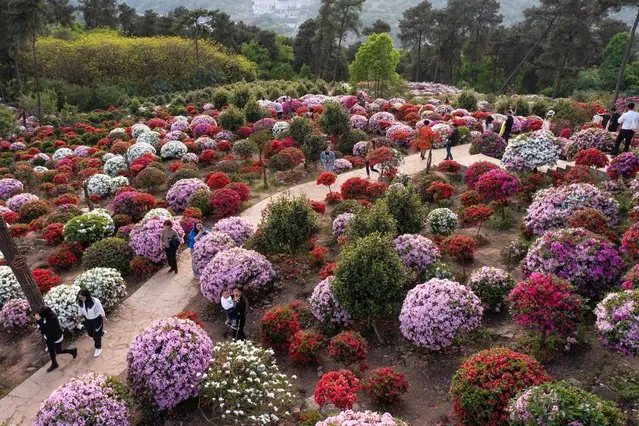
354	188
490	144
62	300
587	139
497	185
305	348
238	228
460	247
417	252
179	193
350	417
143	267
224	203
529	151
491	285
442	221
337	387
340	223
112	252
475	170
208	246
132	203
278	326
106	284
89	227
437	312
15	314
629	242
623	166
349	348
286	225
484	383
592	157
145	237
325	307
385	386
617	319
46	279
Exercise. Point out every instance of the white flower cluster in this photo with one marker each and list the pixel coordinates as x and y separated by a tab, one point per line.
279	128
139	149
173	149
99	184
264	395
114	165
60	153
118	133
530	151
119	181
150	137
9	286
139	128
106	284
62	300
158	212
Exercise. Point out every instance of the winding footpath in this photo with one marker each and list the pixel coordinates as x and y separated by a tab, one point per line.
163	295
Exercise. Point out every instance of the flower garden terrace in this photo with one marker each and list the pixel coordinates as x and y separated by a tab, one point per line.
406	264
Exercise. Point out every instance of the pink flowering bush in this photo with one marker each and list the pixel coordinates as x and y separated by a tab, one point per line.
593	137
14	203
179	193
208	246
439	311
497	185
618	321
624	166
238	228
15	314
491	285
145	238
89	399
166	362
631	278
552	207
363	418
588	261
233	267
9	187
325	307
340	223
416	251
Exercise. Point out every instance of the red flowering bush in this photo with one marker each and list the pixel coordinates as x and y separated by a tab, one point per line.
385	386
224	203
37	224
224	146
242	190
354	188
338	387
497	185
579	174
630	241
318	253
476	170
470	198
375	190
190	315
485	382
53	234
279	325
333	198
592	157
19	230
33	210
193	212
460	247
327	270
318	206
10	217
593	220
64	257
327	179
449	166
477	214
441	191
217	180
348	348
305	348
208	156
143	267
133	204
46	279
66	199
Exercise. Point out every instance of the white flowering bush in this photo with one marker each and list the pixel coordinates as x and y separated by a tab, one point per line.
530	151
361	418
99	184
89	227
491	285
139	128
279	128
138	149
106	284
157	212
9	286
442	221
150	137
118	133
62	300
60	153
244	384
114	165
204	142
173	149
118	182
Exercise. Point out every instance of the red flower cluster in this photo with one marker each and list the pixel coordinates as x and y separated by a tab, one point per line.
143	267
477	214
593	220
592	157
354	188
579	174
65	256
218	180
327	179
19	230
134	204
224	146
476	170
348	348
193	212
375	190
279	325
460	247
318	252
338	387
305	348
190	315
318	206
208	156
385	386
497	185
53	234
224	203
242	190
441	191
333	198
327	270
630	241
449	166
46	279
10	217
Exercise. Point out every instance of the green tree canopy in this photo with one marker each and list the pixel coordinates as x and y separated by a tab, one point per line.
376	62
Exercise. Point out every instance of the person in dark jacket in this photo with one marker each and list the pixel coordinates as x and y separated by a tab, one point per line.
90	309
241	307
613	125
170	242
453	139
50	328
508	128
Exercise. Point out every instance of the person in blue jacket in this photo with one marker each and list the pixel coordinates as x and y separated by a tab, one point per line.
327	158
196	233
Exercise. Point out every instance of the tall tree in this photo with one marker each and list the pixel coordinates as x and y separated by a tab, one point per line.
626	57
324	38
377	27
127	18
376	61
303	46
60	12
414	27
193	22
98	13
348	13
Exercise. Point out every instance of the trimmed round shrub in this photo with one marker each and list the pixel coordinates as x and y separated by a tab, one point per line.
372	418
10	187
99	184
287	225
150	178
9	286
63	301
488	143
167	361
349	348
179	193
15	314
618	321
238	228
132	203
305	348
374	219
32	210
15	203
385	386
63	214
233	267
89	227
46	279
325	307
442	221
95	399
485	382
417	252
278	326
439	311
529	151
561	403
112	252
591	138
217	180
173	149
497	185
145	238
337	387
588	261
208	246
224	203
491	285
200	199
106	284
475	170
340	223
405	206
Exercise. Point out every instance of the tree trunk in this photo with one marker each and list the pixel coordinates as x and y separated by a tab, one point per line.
20	268
558	75
419	57
197	49
37	74
263	171
437	62
16	69
339	42
626	58
85	187
429	162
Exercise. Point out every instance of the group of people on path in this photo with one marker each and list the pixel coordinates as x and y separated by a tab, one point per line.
627	124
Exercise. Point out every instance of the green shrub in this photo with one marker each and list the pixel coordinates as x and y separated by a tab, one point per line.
253	111
200	199
346	206
186	172
347	141
287	225
422	182
63	214
335	119
231	119
300	129
33	210
312	148
405	206
467	100
374	219
110	252
245	148
522	107
503	105
150	178
568	115
540	107
240	96
89	227
7	121
221	98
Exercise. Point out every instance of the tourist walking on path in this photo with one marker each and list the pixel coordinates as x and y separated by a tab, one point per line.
629	125
327	158
507	127
170	242
50	328
241	306
90	309
196	233
613	124
453	139
367	162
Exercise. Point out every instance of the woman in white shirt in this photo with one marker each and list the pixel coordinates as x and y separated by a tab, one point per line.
91	310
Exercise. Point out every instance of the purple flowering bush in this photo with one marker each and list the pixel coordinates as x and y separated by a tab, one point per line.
487	143
623	166
439	311
238	228
15	314
9	187
325	307
144	239
340	223
14	203
179	193
233	267
491	285
618	321
166	362
89	399
417	252
208	246
363	418
552	207
588	261
601	139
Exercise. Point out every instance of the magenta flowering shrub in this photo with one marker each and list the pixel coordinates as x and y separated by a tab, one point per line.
179	193
592	137
437	312
208	246
89	399
416	251
588	261
233	267
9	187
552	207
618	321
236	227
325	307
361	418
491	285
15	314
167	361
340	223
625	166
14	203
377	118
144	239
